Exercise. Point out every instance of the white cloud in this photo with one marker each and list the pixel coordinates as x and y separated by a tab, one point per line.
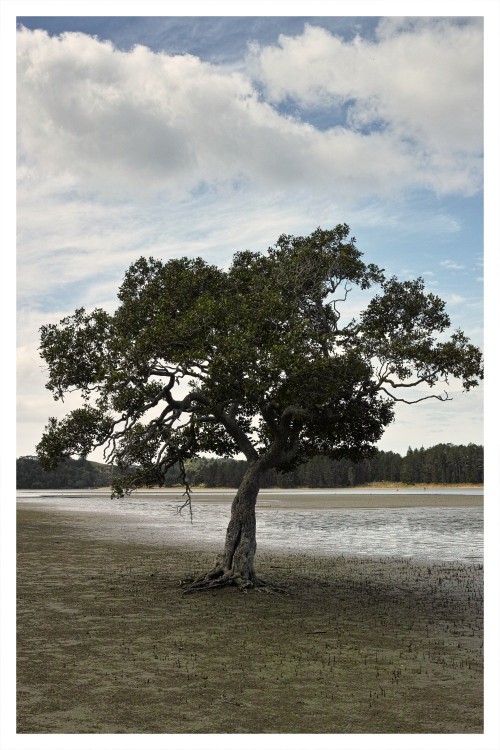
421	82
455	299
126	122
458	421
452	265
124	154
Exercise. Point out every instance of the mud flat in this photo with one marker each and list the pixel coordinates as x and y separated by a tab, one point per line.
326	500
107	642
291	499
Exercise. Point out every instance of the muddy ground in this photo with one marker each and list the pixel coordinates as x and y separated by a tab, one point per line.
108	643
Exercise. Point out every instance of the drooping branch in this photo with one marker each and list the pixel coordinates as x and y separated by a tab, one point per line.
437	396
423	375
187	492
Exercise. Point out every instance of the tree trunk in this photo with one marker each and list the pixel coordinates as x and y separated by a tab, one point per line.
235	564
240	545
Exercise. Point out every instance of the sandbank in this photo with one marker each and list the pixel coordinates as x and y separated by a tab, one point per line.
305	499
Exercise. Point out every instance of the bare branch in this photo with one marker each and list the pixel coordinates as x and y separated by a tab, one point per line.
436	396
187	492
407	385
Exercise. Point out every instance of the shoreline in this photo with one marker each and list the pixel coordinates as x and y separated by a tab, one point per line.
108	643
285	499
422	486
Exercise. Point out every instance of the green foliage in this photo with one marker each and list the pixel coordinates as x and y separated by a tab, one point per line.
76	352
70	474
441	464
73	435
444	463
252	359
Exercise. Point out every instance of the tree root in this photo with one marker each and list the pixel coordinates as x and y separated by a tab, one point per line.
219	578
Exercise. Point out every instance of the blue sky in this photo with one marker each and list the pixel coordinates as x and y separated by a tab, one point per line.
172	136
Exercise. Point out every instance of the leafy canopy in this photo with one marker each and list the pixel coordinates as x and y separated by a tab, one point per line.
253	359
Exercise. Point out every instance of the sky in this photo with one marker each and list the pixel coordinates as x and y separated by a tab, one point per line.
168	136
216	129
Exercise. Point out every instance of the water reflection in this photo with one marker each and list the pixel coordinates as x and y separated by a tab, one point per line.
434	533
431	533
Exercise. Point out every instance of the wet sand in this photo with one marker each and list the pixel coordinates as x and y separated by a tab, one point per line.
299	499
318	501
108	643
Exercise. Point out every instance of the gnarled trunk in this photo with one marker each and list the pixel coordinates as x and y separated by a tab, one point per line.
235	564
240	545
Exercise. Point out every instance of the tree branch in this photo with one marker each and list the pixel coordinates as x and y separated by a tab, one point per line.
416	401
237	433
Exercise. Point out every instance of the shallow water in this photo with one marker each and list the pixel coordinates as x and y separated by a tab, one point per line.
431	533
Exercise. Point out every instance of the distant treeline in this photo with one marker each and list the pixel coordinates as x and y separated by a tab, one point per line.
72	474
441	464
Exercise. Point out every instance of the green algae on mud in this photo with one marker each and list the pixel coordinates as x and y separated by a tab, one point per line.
108	643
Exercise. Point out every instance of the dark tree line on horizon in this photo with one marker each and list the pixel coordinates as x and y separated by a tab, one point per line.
441	464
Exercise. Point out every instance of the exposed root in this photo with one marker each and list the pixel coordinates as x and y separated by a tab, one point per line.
219	578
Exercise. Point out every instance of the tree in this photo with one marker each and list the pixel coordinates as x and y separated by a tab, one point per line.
70	473
251	360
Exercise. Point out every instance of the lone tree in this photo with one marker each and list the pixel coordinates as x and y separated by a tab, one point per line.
252	360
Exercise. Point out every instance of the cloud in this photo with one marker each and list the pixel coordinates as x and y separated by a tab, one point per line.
455	299
136	120
420	83
452	265
126	122
458	421
128	153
